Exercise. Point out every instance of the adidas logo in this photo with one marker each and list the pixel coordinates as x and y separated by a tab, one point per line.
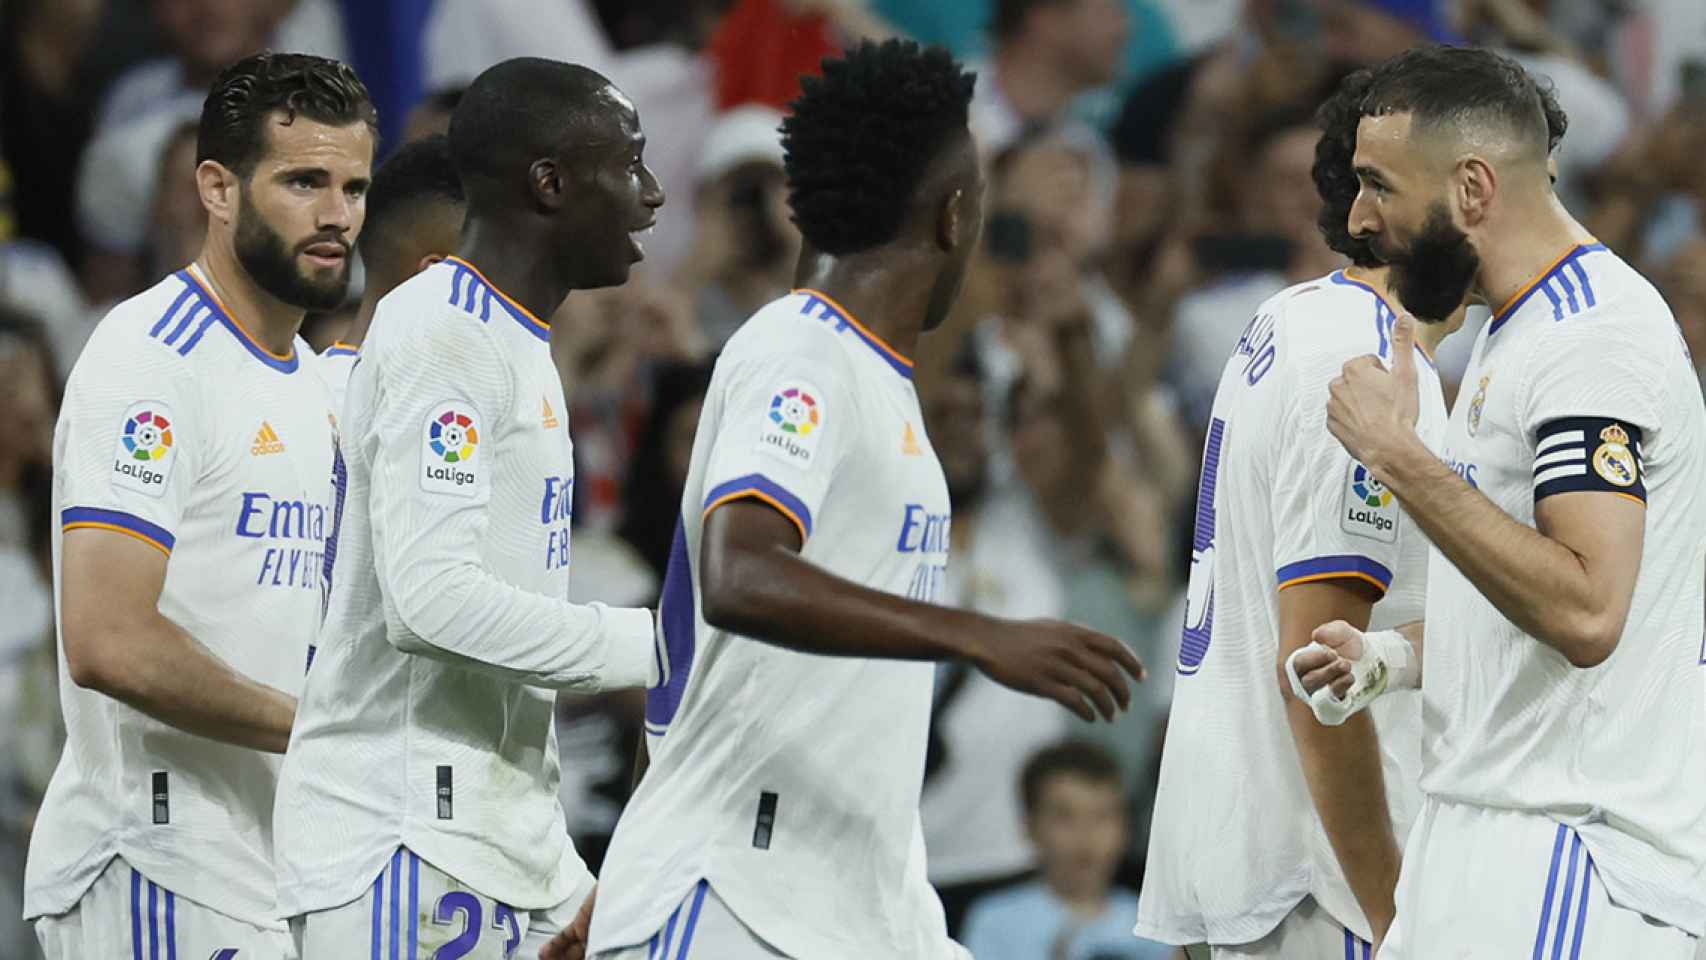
266	441
551	422
909	443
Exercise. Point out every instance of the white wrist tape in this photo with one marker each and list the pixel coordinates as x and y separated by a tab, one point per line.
1388	660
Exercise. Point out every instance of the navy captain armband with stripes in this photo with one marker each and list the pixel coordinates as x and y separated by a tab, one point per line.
1589	453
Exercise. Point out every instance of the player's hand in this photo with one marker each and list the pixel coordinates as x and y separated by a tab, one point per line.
1369	408
1317	668
1071	665
571	943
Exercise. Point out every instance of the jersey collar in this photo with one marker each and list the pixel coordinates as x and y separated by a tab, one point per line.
522	315
192	276
1560	274
828	309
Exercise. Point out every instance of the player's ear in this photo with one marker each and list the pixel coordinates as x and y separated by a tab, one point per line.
219	188
545	179
1476	184
951	220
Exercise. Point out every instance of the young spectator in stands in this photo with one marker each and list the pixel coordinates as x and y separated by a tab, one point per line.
177	223
1076	817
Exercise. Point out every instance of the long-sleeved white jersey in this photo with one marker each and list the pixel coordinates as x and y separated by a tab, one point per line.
179	429
426	721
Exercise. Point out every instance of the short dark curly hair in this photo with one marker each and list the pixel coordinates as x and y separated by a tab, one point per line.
862	135
1454	86
233	128
1334	170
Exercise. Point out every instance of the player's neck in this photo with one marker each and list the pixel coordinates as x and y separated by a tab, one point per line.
270	321
1531	244
520	265
887	302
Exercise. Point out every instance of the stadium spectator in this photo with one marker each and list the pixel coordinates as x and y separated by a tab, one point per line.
745	245
1075	817
1045	53
981	732
30	732
1682	280
35	280
144	107
178	222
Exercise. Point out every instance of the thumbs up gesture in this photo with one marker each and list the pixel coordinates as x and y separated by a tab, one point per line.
1370	407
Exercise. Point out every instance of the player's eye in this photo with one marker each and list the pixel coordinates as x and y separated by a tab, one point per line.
356	191
302	183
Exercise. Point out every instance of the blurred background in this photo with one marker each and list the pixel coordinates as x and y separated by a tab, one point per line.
1149	181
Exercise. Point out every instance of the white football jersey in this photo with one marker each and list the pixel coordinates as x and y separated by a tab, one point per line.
180	430
1583	383
789	780
426	721
1236	842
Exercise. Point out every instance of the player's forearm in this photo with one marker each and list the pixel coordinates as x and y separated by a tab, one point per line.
162	671
1342	767
775	596
459	613
1539	584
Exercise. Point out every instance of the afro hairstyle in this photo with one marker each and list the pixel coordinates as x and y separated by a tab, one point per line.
862	136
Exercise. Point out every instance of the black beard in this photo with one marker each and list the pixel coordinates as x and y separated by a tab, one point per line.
261	251
1434	275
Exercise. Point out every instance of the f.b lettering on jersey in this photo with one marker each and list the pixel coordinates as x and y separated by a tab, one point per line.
451	439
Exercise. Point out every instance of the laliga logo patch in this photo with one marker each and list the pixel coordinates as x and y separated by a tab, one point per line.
1613	461
142	457
450	442
793	421
1370	510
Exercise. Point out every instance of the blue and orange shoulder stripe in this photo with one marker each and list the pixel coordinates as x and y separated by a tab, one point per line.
1385	314
196	310
756	486
1338	567
821	306
476	296
118	521
1565	285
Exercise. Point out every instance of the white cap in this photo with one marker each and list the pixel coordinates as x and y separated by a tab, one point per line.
745	134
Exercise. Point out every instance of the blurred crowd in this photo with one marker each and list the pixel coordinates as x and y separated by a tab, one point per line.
1149	185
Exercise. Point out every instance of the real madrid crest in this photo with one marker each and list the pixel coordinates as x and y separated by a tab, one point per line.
1476	404
1613	461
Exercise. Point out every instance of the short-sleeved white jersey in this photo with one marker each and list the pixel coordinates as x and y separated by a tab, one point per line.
181	430
1584	382
1236	841
789	780
426	720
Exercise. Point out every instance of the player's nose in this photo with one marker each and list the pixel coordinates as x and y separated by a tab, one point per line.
1363	220
651	188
